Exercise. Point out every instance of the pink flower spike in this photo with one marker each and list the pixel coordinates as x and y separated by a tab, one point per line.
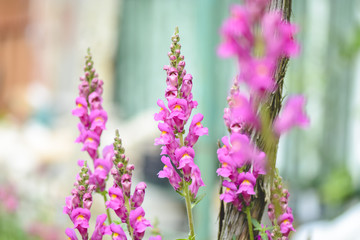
117	232
71	234
292	115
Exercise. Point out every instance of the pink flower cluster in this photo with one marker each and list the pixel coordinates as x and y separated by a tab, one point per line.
79	203
178	153
284	218
8	198
241	162
258	39
127	206
92	122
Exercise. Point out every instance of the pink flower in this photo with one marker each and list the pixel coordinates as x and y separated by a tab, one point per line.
258	74
186	86
164	112
71	234
117	232
138	197
247	183
167	134
241	112
286	226
178	112
116	198
237	34
102	169
158	237
229	194
291	115
82	129
170	173
91	143
227	168
196	130
68	205
278	36
80	217
98	119
259	164
185	160
138	222
95	101
241	149
172	78
81	110
170	92
196	180
100	227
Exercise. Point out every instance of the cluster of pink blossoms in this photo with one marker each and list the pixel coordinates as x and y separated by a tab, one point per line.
177	152
79	203
92	122
127	206
258	39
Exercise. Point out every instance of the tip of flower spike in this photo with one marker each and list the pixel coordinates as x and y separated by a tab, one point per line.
176	30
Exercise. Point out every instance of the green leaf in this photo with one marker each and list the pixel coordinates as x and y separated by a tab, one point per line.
198	199
256	224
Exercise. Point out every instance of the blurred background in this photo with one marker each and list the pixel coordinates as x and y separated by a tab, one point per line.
42	49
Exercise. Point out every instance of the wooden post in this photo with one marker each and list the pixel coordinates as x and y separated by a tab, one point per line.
232	222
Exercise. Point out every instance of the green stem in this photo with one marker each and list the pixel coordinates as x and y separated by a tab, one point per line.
128	207
248	214
107	210
189	211
187	199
